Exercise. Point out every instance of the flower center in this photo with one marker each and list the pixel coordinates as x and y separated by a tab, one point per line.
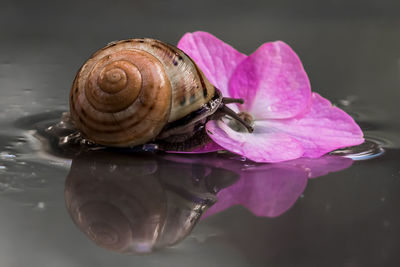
238	126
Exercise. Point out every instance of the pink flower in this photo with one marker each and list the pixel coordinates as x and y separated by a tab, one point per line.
289	120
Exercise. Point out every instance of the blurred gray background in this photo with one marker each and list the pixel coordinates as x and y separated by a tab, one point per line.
347	47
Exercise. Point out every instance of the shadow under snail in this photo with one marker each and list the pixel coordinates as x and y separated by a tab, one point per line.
136	91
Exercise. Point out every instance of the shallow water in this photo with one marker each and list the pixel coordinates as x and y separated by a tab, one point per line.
327	212
65	201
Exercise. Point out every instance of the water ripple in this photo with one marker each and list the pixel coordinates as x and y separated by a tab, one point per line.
371	148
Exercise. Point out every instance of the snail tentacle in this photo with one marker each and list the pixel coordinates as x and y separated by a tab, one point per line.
229	100
224	110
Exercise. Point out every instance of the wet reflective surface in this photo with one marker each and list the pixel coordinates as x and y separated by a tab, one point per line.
140	202
63	206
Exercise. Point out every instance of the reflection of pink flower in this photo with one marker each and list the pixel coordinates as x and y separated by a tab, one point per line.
269	190
289	120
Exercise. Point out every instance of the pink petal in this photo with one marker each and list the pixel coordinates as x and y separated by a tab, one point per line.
272	81
321	129
215	58
263	145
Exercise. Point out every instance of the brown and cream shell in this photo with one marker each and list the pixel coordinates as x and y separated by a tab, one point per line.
127	92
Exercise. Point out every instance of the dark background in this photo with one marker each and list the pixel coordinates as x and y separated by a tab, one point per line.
351	52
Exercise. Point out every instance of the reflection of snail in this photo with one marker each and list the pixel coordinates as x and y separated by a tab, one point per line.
137	90
138	203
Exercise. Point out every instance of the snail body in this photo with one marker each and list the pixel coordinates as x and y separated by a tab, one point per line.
139	90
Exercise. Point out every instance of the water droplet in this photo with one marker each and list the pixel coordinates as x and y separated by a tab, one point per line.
344	102
112	168
6	156
302	196
41	205
249	165
308	171
348	100
383	199
3	167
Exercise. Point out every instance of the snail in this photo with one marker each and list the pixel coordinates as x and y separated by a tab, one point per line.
139	90
139	203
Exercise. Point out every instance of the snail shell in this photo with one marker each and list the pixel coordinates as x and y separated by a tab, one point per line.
128	91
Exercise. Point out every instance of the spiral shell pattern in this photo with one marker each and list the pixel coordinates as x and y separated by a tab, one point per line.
128	91
121	98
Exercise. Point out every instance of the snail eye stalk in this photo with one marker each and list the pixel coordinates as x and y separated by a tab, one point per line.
229	100
224	110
